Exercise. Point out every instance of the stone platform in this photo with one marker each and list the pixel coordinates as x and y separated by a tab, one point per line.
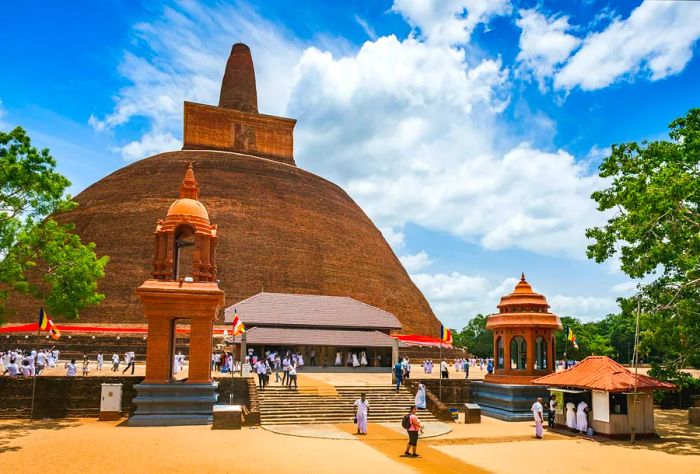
174	404
507	402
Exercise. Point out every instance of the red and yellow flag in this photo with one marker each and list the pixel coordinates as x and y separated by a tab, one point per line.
238	327
445	335
54	333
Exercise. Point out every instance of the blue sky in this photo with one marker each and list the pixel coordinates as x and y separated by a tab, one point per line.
469	130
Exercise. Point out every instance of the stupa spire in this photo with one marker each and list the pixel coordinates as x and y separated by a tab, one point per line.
189	187
238	89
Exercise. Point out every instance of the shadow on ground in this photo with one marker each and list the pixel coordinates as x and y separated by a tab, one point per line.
12	430
677	436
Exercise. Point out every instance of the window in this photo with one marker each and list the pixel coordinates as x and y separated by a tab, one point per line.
618	403
499	348
540	353
518	353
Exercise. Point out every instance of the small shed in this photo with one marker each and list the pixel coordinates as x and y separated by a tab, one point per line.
609	390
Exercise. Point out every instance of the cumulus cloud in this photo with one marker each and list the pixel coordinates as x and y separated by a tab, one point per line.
394	237
586	308
417	262
655	41
449	21
149	144
457	297
544	43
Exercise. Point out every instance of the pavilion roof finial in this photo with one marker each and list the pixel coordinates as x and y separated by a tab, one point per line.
238	90
189	188
522	276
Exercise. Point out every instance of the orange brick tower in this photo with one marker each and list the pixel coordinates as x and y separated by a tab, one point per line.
183	288
523	350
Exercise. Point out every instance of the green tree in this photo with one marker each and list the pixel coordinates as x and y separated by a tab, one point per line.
591	338
475	337
39	256
654	202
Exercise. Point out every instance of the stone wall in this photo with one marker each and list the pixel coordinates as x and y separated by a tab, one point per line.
60	397
455	393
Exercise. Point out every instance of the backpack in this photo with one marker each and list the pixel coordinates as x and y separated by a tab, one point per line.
406	421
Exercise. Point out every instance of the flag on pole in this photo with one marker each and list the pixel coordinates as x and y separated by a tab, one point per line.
571	337
54	333
238	327
445	335
43	320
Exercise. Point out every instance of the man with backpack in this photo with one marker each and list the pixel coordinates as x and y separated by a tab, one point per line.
412	425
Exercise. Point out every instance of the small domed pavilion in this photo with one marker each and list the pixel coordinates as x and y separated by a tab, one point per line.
523	336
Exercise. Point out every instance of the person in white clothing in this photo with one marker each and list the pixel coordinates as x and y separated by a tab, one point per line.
71	369
363	359
355	361
538	414
582	417
338	359
361	414
115	362
571	416
100	361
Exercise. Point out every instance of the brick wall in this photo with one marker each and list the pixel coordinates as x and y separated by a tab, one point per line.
61	397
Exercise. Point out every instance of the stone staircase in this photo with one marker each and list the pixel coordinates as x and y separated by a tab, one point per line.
281	406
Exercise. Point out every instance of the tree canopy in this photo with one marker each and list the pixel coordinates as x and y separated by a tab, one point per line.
654	230
38	255
475	337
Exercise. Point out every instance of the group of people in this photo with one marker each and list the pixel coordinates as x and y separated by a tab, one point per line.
27	363
224	362
576	416
351	359
273	362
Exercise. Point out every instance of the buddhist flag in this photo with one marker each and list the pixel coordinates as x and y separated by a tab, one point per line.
238	327
571	337
43	320
445	335
54	333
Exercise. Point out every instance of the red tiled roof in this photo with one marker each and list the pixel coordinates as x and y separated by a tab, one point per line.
601	373
316	337
282	309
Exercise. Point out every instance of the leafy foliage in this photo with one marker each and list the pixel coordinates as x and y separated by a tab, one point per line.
654	195
475	337
39	256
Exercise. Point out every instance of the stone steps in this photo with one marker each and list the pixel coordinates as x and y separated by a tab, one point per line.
278	405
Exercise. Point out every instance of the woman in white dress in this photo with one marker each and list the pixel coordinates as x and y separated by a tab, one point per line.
355	361
571	415
363	359
420	397
582	417
338	359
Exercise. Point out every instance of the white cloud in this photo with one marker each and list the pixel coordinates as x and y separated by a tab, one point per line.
544	43
417	262
149	144
395	238
585	308
455	297
655	41
625	289
366	27
449	21
3	125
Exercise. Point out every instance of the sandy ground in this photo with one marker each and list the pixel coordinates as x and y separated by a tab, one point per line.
493	446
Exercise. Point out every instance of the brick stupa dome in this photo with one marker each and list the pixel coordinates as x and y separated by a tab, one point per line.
282	229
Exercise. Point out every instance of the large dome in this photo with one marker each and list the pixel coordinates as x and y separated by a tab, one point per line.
280	229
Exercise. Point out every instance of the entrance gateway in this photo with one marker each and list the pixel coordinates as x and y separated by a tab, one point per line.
183	287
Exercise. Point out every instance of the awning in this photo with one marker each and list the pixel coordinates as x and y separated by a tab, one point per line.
418	340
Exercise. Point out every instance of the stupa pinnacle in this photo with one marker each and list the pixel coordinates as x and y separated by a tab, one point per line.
238	89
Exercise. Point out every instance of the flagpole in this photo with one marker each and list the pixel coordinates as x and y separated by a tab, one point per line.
440	382
38	333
